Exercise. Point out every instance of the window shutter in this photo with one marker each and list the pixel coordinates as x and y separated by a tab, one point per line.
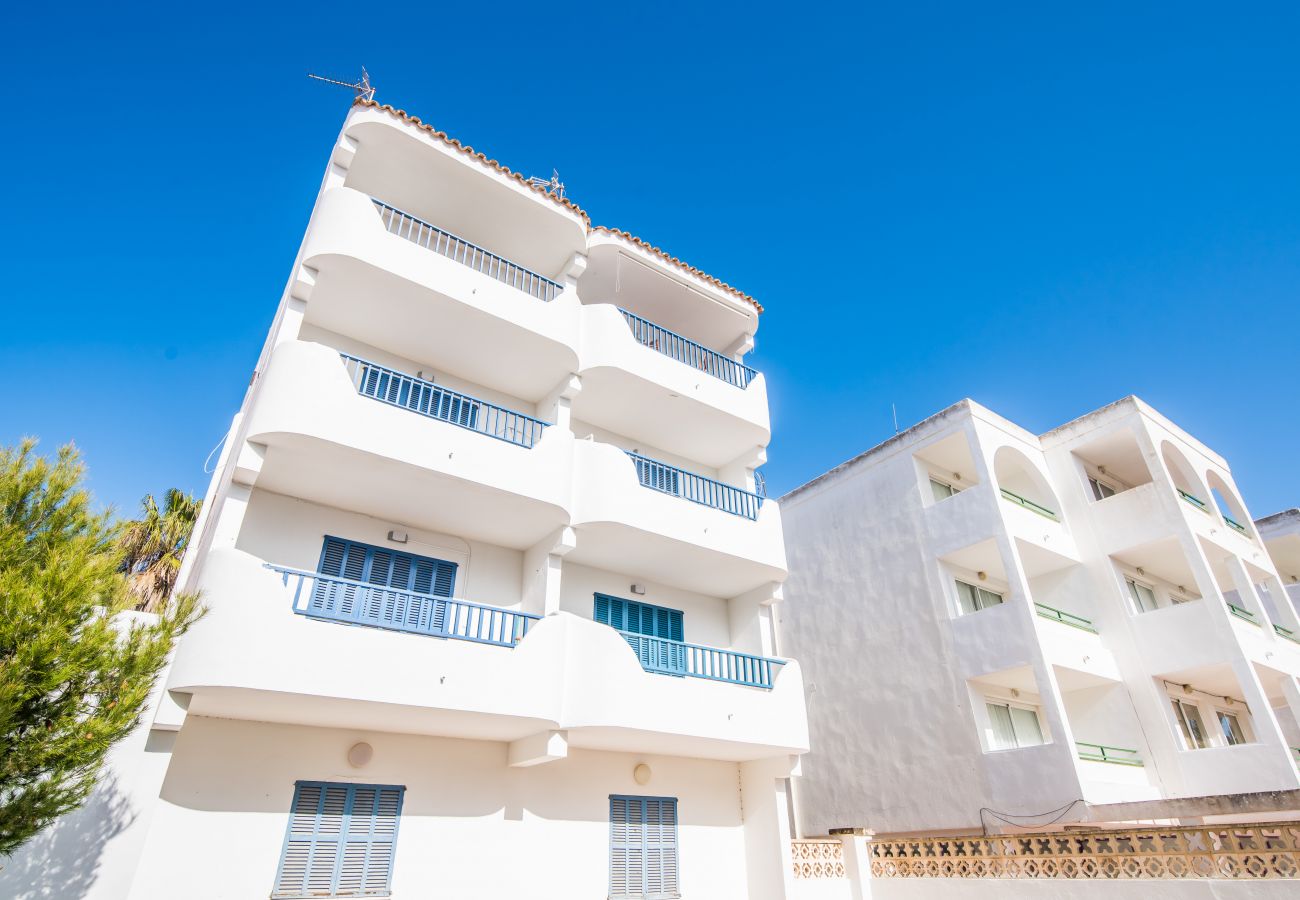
402	572
643	848
341	840
612	611
444	580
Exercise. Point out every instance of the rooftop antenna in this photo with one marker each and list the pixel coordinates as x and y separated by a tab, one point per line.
553	185
894	410
364	89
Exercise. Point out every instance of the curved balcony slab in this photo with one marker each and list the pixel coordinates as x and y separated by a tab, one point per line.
390	292
567	673
326	443
624	526
648	396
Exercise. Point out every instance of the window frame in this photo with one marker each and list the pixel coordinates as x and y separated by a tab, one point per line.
1239	727
1035	710
977	599
1181	704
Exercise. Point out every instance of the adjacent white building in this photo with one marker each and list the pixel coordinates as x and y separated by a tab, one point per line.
489	572
1000	627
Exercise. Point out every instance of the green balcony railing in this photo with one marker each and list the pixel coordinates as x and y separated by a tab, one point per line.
1193	500
1029	505
1117	755
1243	614
1296	752
1286	633
1065	618
1234	524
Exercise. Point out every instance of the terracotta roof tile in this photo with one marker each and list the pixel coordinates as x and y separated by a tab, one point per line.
566	203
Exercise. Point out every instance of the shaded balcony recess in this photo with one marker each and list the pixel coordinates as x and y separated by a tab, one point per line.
1286	633
359	603
1065	618
659	476
1193	500
668	657
1234	524
687	351
431	237
1099	753
437	402
1243	614
1029	505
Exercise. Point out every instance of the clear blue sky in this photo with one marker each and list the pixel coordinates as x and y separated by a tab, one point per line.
1044	210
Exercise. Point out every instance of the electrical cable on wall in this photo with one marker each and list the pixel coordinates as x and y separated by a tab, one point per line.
1061	813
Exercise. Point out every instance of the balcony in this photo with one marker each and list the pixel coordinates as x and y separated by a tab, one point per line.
631	517
1286	633
1235	525
283	645
1193	501
669	657
345	433
1244	614
398	283
431	237
656	387
359	603
1115	755
660	476
688	352
437	402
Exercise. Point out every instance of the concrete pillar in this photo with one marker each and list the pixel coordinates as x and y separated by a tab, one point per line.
857	859
542	570
766	826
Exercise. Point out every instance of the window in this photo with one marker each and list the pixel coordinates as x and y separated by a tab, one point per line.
941	489
1191	725
1143	597
1231	728
340	840
1013	726
642	848
654	632
381	567
1100	489
972	599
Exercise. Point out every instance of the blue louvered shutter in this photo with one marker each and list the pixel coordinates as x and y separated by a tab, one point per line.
641	624
341	840
643	858
403	574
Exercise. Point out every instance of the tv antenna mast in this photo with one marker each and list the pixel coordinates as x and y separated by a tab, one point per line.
364	89
553	185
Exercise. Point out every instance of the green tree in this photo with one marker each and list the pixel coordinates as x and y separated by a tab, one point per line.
74	677
154	544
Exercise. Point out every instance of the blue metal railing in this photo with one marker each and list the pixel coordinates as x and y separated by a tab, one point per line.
685	350
462	251
358	603
668	479
436	402
1029	505
693	660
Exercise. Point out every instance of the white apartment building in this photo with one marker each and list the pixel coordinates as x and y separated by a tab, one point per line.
1005	628
489	572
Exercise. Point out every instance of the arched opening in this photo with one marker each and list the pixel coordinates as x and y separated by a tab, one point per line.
1188	486
1225	499
1020	482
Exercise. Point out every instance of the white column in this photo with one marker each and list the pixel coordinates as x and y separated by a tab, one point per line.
543	569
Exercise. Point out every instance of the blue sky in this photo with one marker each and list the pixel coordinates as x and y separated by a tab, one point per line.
1042	209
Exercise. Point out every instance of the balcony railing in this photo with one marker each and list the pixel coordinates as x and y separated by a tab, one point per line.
668	479
685	350
1117	755
676	658
1234	524
1065	618
1193	500
1029	505
462	251
1243	614
1286	633
358	603
436	402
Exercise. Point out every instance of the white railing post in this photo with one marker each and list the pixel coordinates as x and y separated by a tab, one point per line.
857	859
